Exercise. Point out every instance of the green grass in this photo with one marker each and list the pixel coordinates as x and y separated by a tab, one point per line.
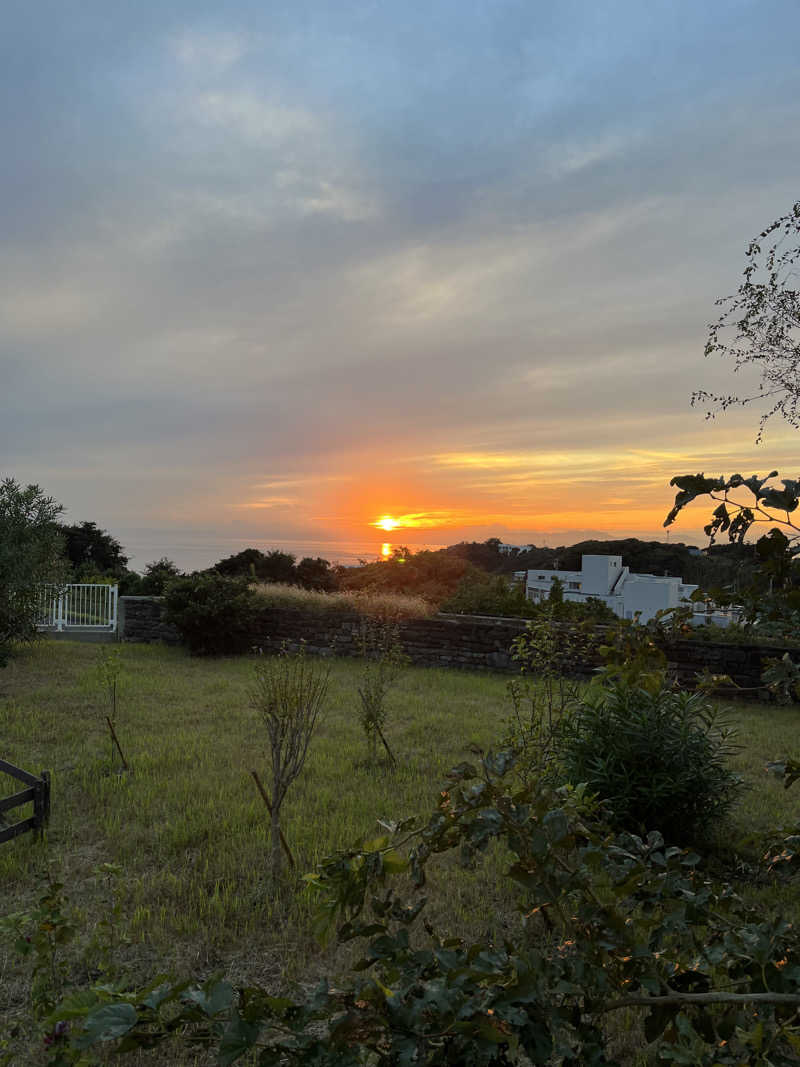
190	830
187	823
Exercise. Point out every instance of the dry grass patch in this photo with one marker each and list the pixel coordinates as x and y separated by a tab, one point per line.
371	605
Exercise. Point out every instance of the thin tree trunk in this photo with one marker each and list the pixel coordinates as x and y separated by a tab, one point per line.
275	834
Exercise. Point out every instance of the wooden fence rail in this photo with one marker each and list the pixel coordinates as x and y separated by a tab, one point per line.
38	791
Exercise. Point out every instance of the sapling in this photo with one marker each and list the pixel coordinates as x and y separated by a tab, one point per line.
383	660
108	675
289	694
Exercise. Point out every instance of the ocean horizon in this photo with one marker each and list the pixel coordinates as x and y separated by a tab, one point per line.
192	553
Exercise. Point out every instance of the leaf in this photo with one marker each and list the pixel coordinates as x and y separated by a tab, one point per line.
106	1024
556	825
462	772
497	763
691	486
784	499
657	1021
77	1005
237	1039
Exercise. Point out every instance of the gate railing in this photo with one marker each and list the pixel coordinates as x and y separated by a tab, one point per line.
78	606
38	791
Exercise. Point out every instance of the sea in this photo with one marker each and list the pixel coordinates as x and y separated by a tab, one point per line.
196	552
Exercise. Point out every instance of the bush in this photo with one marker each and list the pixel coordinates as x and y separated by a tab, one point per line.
657	759
432	575
490	594
215	616
30	557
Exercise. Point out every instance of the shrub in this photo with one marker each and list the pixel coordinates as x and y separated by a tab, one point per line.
215	616
432	575
656	758
489	594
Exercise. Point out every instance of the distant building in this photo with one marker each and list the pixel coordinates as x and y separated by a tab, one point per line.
604	578
506	550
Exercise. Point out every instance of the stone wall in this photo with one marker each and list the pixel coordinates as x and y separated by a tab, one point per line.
467	641
472	642
744	663
141	618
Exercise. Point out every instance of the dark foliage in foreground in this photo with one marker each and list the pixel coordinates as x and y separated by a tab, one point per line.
607	923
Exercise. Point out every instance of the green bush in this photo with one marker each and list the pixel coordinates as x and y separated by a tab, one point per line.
214	615
490	594
657	759
30	557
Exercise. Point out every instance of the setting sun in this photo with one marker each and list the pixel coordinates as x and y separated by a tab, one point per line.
386	522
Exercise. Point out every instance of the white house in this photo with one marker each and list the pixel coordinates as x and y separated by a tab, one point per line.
604	578
506	550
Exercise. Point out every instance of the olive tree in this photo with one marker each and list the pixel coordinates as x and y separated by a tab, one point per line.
31	555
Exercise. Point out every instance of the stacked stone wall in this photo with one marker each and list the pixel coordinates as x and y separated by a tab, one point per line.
470	642
141	619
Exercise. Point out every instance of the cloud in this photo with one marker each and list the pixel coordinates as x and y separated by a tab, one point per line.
253	118
291	267
208	52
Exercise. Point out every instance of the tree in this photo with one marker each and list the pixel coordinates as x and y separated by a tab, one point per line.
275	566
88	548
760	325
31	555
289	694
244	564
316	574
157	575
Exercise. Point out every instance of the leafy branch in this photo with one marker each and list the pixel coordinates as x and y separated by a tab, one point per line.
734	517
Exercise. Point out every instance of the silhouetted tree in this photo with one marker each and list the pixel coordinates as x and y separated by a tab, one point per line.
89	548
315	574
761	325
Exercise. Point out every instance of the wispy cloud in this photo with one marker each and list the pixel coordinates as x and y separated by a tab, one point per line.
209	52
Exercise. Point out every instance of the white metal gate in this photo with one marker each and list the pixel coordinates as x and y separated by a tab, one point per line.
81	606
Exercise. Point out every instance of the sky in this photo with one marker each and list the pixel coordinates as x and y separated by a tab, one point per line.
271	271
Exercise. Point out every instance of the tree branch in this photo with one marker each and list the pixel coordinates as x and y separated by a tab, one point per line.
702	998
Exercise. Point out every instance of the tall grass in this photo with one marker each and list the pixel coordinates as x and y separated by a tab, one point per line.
372	605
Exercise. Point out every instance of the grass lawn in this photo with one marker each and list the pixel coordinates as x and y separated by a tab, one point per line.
189	829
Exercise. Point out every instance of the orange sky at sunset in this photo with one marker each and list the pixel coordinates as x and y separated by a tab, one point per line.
275	271
448	496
